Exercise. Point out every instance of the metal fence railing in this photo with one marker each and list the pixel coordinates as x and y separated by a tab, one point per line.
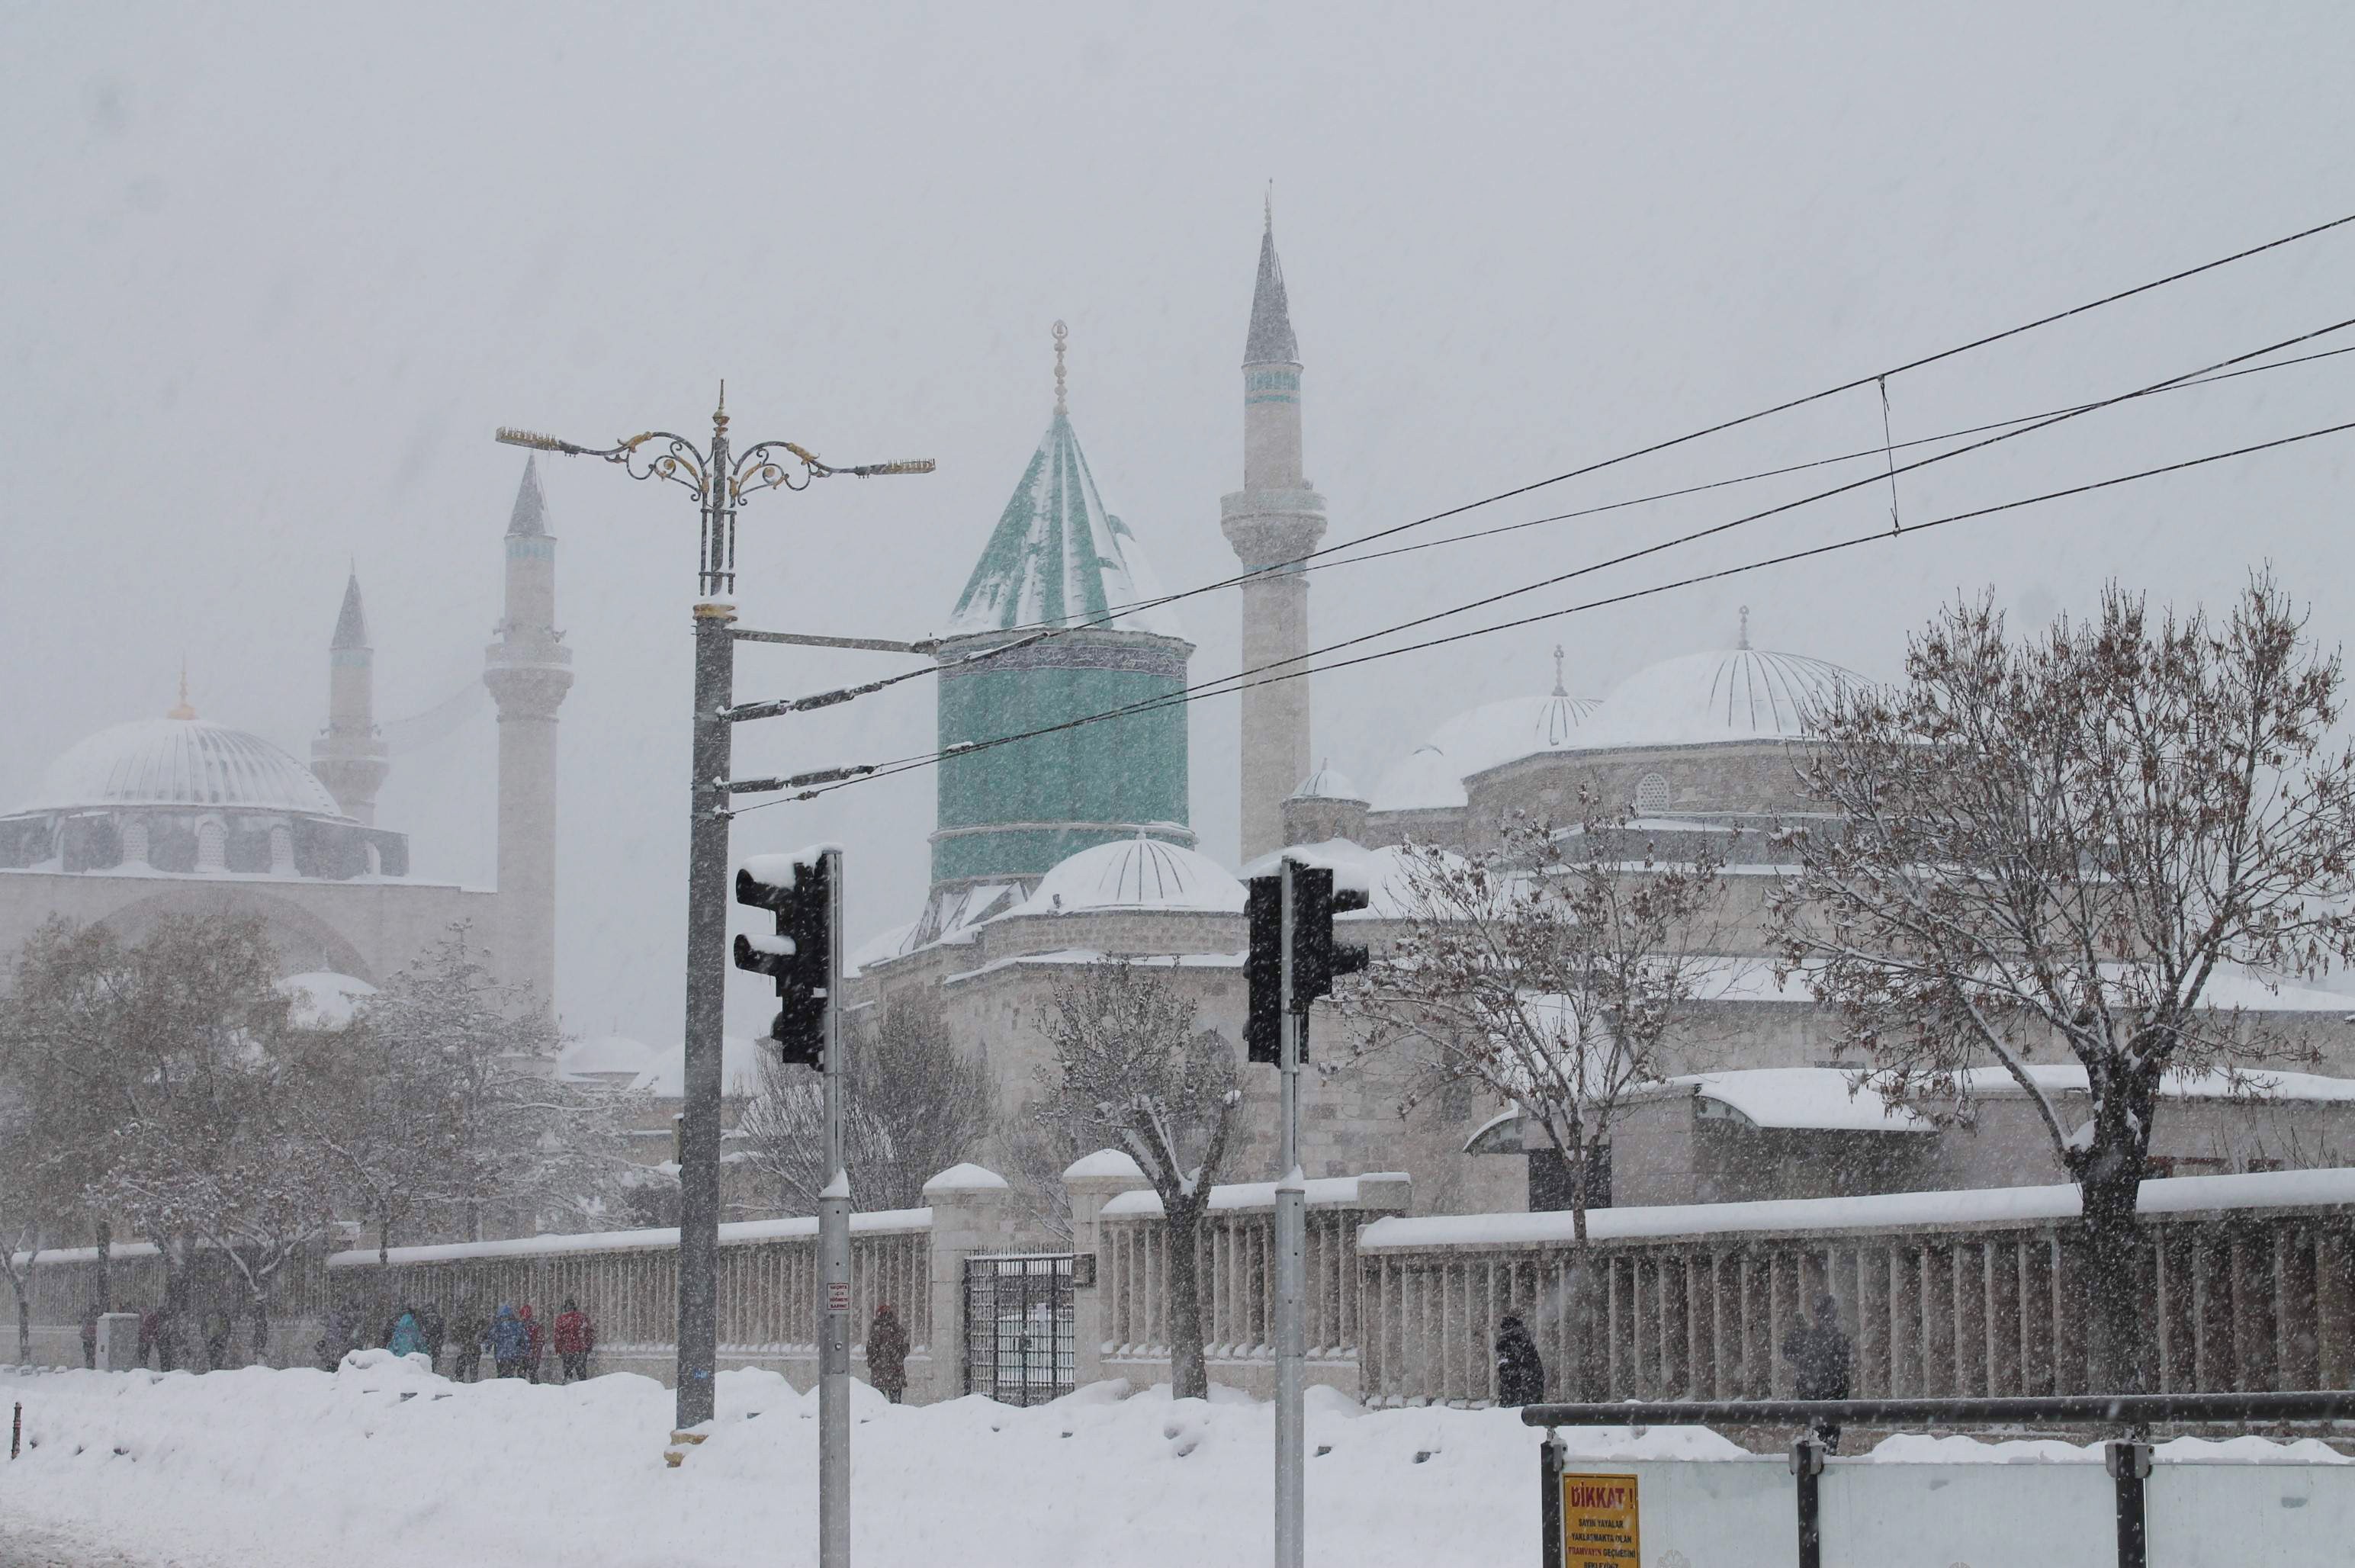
1583	1517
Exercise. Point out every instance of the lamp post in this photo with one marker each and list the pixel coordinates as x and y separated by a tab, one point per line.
721	479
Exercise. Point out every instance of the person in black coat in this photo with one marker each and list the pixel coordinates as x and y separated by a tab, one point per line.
1820	1362
1521	1374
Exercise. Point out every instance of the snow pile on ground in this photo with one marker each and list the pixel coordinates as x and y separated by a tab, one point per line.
384	1462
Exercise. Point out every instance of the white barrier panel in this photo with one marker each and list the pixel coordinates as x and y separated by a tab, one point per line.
2209	1515
1712	1513
1899	1515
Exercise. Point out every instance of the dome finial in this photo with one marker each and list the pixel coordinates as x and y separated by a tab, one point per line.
1741	639
181	709
1559	689
1062	334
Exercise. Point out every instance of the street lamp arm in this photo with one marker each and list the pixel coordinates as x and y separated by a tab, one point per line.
673	457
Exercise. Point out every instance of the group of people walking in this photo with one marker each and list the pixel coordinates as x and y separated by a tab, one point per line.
513	1338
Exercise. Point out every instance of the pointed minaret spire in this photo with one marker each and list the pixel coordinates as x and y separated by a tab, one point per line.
348	755
1062	334
351	623
530	518
1271	340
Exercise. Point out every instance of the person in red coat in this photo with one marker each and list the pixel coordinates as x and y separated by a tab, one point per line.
575	1338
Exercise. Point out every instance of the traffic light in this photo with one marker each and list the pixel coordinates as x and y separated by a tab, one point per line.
799	958
1263	970
1316	958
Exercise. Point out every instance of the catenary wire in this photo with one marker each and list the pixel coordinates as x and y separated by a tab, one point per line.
1220	685
1038	634
1234	683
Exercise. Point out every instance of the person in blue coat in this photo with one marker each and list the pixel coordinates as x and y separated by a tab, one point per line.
407	1339
510	1338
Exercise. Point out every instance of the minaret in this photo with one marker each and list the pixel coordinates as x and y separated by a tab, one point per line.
1274	520
348	755
528	672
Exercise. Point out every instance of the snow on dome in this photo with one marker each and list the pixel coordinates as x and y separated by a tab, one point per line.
182	762
324	999
1135	873
1104	1162
965	1177
611	1054
1698	699
1327	782
1425	781
1499	732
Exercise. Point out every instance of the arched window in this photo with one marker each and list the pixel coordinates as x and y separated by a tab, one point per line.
1652	795
212	845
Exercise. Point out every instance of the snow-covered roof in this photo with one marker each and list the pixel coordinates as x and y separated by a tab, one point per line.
1327	782
1881	1211
1385	874
1065	956
1735	694
1804	1099
1499	732
180	763
879	948
1104	1162
1137	873
324	999
613	1053
1058	557
1324	1192
1423	780
965	1177
666	1074
740	1232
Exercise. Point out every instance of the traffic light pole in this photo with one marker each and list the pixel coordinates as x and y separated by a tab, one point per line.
1291	1244
706	993
834	1253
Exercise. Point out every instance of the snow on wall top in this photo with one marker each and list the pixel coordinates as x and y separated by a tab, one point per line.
965	1177
1424	780
1881	1211
324	999
1811	1099
180	763
1736	694
1324	1192
1057	558
1135	873
1104	1162
606	1053
740	1232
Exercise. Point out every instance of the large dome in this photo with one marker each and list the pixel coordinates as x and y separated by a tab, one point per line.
1499	732
1135	873
180	763
1698	700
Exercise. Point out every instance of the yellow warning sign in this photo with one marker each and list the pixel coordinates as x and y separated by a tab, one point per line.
1599	1522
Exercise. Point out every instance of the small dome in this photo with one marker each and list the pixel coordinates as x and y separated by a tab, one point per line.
1327	782
1499	732
1135	873
180	763
1426	779
1698	699
614	1053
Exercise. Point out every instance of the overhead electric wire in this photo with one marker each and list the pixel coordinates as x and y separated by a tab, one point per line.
1223	685
1878	535
1042	632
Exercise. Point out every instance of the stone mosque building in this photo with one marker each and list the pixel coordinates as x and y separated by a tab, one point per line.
181	813
1054	851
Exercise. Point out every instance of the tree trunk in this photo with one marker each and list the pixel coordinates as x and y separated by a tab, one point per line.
261	1324
105	1266
1582	1380
384	1240
23	1329
2115	1324
1190	1374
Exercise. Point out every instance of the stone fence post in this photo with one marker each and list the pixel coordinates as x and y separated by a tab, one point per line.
1092	1181
973	1212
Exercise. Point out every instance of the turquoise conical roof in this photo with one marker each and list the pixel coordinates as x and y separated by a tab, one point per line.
1059	558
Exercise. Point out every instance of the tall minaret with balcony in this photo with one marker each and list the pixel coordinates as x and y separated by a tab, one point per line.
528	670
348	755
1274	520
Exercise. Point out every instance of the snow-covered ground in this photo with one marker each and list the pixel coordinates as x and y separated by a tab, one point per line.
384	1463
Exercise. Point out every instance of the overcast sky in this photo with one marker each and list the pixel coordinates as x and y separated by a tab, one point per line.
270	277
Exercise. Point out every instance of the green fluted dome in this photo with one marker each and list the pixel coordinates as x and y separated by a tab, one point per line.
1057	558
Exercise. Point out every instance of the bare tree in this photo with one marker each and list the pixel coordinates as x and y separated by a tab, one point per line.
2058	843
914	1106
1129	1068
1549	973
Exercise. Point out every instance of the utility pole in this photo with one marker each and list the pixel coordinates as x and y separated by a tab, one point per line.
721	479
1291	1244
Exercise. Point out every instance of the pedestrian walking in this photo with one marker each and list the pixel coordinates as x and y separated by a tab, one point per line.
407	1339
90	1339
575	1338
1820	1362
506	1341
433	1330
535	1342
216	1332
1520	1373
468	1333
887	1353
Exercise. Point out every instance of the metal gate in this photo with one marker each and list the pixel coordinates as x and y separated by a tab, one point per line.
1017	1326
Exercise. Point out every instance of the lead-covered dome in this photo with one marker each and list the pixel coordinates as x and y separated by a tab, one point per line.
1135	873
1698	700
180	763
1499	732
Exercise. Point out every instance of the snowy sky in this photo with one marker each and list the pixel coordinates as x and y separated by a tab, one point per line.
270	277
